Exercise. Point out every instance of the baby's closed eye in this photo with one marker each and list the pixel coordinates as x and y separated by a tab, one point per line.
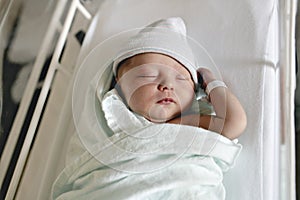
147	76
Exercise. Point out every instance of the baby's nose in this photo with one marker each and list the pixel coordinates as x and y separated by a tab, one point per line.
165	85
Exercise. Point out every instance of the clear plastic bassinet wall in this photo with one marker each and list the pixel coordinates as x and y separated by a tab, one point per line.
251	42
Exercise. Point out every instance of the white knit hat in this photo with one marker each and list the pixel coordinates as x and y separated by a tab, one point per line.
166	36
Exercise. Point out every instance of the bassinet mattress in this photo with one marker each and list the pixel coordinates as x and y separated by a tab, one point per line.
241	38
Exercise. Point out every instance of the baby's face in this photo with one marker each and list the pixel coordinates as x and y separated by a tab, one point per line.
156	86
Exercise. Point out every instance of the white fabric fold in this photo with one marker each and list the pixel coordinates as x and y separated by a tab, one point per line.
118	117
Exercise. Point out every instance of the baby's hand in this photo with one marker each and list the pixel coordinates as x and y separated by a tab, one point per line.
230	119
205	76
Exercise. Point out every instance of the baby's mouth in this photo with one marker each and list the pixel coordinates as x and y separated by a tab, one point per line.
166	101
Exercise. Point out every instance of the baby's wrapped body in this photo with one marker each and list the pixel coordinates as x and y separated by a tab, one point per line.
144	160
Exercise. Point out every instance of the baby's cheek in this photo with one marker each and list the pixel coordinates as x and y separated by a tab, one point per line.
138	99
128	89
186	98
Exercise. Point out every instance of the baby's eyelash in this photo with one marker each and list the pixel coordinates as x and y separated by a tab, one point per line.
147	76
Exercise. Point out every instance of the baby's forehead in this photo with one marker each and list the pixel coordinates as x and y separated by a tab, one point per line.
152	61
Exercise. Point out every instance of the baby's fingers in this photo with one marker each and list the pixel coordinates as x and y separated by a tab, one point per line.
205	76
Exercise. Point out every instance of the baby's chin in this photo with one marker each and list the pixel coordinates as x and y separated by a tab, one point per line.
160	119
159	115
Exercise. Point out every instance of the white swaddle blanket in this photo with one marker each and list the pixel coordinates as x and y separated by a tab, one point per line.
143	160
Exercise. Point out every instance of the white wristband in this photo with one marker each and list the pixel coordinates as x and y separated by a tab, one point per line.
213	84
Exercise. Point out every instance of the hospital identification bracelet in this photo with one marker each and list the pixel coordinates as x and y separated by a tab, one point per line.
214	84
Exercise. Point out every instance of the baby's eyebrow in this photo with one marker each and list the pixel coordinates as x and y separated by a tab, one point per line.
150	67
183	75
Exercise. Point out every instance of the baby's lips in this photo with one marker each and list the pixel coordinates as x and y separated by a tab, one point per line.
166	101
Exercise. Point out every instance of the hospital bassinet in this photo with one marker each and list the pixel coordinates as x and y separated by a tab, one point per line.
252	43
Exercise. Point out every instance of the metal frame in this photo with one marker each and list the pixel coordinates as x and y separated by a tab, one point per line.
54	27
288	86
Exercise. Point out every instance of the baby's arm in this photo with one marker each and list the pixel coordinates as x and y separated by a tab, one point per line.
230	119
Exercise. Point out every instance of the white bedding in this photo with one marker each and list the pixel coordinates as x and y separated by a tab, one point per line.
241	37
